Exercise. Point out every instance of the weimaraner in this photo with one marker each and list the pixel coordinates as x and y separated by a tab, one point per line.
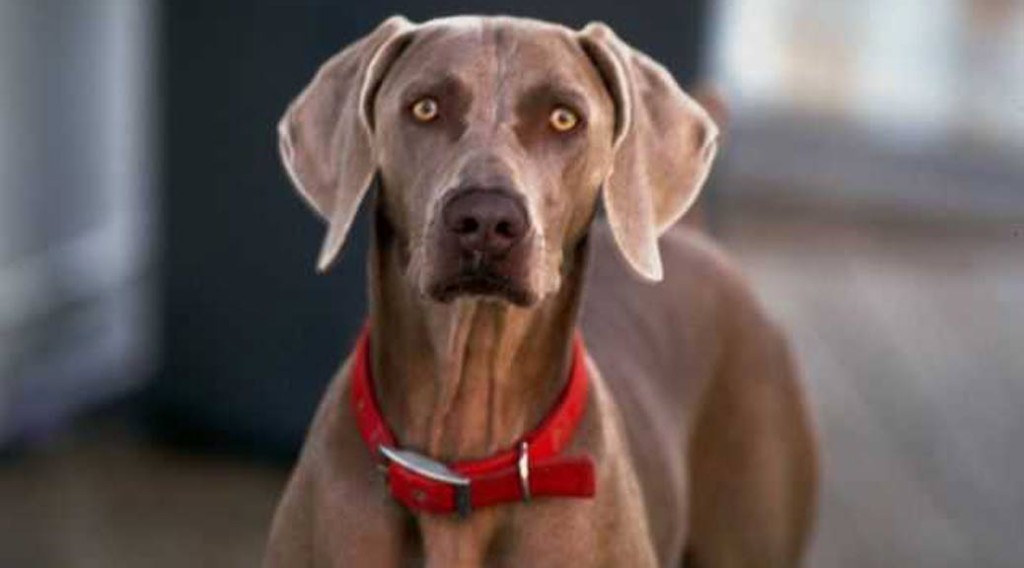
472	425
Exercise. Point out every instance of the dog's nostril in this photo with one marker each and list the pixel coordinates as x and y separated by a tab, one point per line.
504	229
467	226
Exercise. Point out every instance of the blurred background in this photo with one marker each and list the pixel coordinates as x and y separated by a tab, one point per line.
164	339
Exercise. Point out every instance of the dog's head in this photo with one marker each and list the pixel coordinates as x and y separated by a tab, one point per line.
492	139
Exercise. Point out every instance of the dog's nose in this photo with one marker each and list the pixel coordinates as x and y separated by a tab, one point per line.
488	221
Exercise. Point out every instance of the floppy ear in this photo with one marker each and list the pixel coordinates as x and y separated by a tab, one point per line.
325	136
664	145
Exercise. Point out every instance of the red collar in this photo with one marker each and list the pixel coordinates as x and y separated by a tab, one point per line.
532	468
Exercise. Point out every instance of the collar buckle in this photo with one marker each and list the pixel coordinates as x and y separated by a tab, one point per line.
523	467
434	470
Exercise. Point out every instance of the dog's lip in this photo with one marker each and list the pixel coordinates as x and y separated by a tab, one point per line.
481	283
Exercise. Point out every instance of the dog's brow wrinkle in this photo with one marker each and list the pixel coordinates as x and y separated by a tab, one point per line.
499	72
504	47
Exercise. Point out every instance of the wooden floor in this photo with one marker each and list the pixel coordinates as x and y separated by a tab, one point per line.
103	500
911	340
912	344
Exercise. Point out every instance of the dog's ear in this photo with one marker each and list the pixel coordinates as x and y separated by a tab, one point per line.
325	136
664	145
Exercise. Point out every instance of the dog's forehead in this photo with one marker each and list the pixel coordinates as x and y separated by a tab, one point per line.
476	49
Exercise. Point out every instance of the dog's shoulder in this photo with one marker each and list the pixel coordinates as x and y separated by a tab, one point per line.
701	280
697	314
693	260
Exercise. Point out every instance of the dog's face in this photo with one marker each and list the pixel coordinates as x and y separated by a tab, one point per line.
492	138
493	142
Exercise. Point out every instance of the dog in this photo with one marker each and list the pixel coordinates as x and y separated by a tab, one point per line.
473	424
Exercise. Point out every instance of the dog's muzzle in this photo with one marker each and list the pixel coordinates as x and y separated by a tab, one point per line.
482	246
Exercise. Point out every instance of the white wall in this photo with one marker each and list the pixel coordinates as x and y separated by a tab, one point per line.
911	106
76	173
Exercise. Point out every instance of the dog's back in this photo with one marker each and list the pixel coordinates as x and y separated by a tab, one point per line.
709	397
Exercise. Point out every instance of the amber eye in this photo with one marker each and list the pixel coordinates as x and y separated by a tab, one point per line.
563	119
425	109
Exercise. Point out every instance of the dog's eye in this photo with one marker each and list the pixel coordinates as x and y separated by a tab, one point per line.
563	120
425	109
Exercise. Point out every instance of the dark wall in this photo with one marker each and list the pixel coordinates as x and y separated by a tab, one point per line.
250	333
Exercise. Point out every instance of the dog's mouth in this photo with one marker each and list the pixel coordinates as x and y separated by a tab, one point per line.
482	283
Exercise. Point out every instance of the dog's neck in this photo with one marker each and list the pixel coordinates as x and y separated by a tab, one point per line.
468	378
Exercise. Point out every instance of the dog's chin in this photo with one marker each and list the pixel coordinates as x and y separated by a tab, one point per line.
483	286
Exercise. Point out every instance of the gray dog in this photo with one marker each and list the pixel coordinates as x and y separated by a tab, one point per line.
471	424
